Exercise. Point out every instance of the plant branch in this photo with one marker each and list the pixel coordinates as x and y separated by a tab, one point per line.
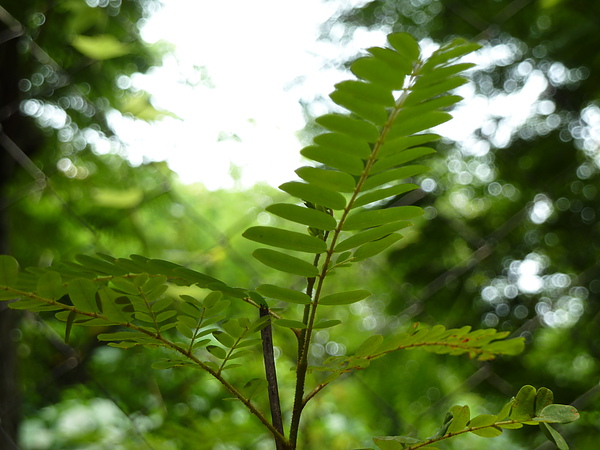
271	374
168	344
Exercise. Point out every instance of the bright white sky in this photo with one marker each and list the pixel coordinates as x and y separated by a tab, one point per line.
262	57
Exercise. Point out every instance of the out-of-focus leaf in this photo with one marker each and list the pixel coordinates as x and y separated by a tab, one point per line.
101	46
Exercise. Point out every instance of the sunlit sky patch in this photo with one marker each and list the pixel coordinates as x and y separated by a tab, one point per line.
235	80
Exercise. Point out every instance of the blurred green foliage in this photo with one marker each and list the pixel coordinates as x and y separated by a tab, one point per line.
480	228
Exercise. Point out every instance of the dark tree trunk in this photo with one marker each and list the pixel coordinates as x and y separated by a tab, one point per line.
18	129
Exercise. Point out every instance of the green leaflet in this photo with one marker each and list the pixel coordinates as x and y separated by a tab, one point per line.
393	175
420	95
50	286
400	62
400	158
384	193
376	114
405	45
558	414
543	398
412	123
290	240
285	263
329	179
303	215
336	159
82	293
342	143
369	235
315	194
371	249
344	298
523	407
287	323
402	143
378	72
460	416
9	270
285	294
326	324
356	128
554	437
368	92
376	217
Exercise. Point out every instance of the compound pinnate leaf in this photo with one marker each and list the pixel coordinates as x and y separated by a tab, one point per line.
344	298
285	239
82	293
9	270
285	263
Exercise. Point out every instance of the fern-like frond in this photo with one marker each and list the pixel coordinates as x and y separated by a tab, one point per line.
366	156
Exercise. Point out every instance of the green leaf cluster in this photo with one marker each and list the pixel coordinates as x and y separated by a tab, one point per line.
528	407
365	157
482	345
